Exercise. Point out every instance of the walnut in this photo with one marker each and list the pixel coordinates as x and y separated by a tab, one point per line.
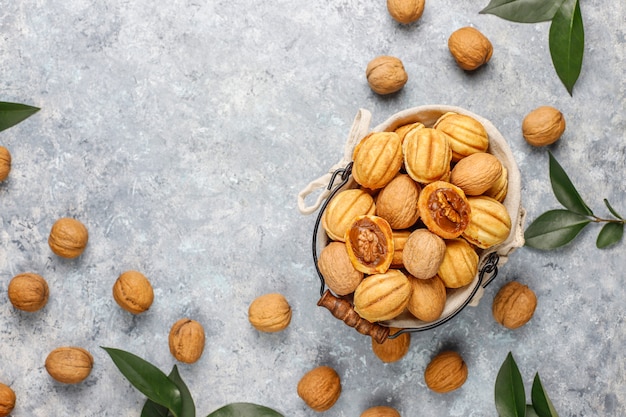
428	298
490	222
380	411
186	340
386	75
382	297
397	202
69	365
343	208
68	238
336	267
377	159
133	292
470	48
427	155
444	209
392	349
543	126
5	163
7	400
514	305
270	313
423	253
476	173
405	11
320	388
446	372
369	242
28	292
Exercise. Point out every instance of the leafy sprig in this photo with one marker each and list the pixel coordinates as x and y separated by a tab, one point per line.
510	396
556	228
168	395
13	113
566	37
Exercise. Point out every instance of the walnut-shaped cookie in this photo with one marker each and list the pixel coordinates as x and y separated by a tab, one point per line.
444	209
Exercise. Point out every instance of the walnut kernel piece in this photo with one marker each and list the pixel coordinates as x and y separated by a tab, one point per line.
380	411
382	297
444	209
392	349
68	238
514	305
336	267
446	372
460	264
397	202
270	313
28	292
7	400
133	292
320	388
69	365
466	134
377	159
406	11
369	242
386	75
428	298
186	340
427	155
490	223
423	253
543	126
470	48
5	163
343	208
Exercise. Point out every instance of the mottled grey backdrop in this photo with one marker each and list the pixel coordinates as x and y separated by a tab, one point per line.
181	132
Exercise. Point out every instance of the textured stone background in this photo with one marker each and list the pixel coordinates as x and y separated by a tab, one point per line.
181	132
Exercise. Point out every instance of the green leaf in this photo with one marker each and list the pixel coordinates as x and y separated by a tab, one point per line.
523	11
612	210
13	113
509	392
152	409
244	410
541	402
148	379
554	228
564	190
530	411
610	234
567	43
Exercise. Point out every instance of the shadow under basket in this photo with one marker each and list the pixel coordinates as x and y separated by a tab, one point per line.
489	259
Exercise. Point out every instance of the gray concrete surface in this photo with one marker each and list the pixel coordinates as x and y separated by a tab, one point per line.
181	132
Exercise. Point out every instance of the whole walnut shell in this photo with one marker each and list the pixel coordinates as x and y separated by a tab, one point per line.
68	238
470	48
270	313
460	264
446	372
5	163
423	253
186	340
386	75
320	388
543	126
28	292
380	411
514	305
428	298
392	349
476	173
397	202
343	208
427	155
337	269
7	400
377	159
465	134
490	222
405	11
382	297
69	365
133	292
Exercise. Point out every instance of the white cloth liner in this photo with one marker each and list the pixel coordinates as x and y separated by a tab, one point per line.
428	115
